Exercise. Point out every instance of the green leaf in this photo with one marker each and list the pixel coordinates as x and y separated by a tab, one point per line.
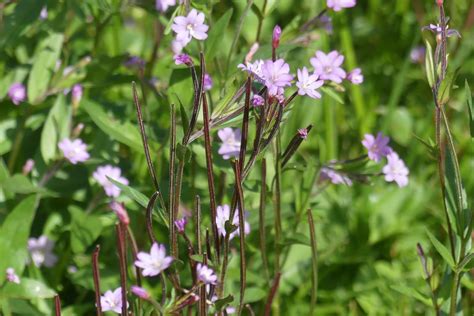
55	128
332	94
467	264
47	54
216	34
85	229
254	294
410	292
442	250
20	184
255	9
183	152
14	235
126	133
220	304
184	117
297	238
429	65
27	289
445	88
470	107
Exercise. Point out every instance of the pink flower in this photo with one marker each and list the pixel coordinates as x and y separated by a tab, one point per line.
207	84
181	59
355	76
28	166
75	151
140	292
181	224
276	36
112	301
303	132
41	251
334	176
192	25
395	170
17	93
205	274
223	215
338	5
254	69
120	211
177	46
155	262
44	13
230	146
257	100
276	75
76	94
377	146
307	84
101	174
12	276
162	5
328	67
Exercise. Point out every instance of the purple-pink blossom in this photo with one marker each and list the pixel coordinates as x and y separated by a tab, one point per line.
230	146
308	84
205	274
112	301
163	5
120	211
76	93
101	174
41	251
177	47
207	84
223	215
140	292
17	93
74	150
328	66
192	25
303	133
12	276
181	224
44	13
155	262
377	147
395	170
417	54
276	75
254	69
28	166
334	176
183	59
355	76
338	5
258	100
437	29
276	36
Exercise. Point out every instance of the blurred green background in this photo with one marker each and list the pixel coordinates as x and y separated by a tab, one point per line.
366	233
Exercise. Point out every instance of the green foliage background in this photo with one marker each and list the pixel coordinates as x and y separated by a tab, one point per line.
366	234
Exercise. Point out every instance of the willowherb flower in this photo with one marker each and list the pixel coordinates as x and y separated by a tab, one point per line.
181	224
276	75
253	49
41	251
44	13
355	76
12	276
254	69
338	5
207	84
276	36
177	47
417	54
140	292
205	274
163	5
120	211
223	215
74	150
155	262
76	93
328	67
395	170
112	301
377	147
258	100
183	59
437	29
28	166
192	25
303	133
230	142
308	84
101	174
17	93
334	176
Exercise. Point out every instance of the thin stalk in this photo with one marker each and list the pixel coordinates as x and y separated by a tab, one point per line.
454	293
424	265
134	248
174	201
271	297
240	199
245	124
151	168
210	175
260	21
123	264
149	217
314	260
261	217
96	274
57	305
293	146
277	203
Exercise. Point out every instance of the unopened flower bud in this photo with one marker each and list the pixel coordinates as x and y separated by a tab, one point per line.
252	51
29	164
77	130
258	100
121	212
276	37
181	59
140	292
76	94
181	224
439	2
303	132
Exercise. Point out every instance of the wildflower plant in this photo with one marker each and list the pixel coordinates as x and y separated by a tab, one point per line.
191	157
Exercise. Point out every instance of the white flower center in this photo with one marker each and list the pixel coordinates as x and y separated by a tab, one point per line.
328	69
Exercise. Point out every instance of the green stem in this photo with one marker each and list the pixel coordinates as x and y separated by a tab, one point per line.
454	293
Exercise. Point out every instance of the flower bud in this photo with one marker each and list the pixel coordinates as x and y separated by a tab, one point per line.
181	224
76	94
303	132
121	212
276	37
29	164
181	59
140	292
